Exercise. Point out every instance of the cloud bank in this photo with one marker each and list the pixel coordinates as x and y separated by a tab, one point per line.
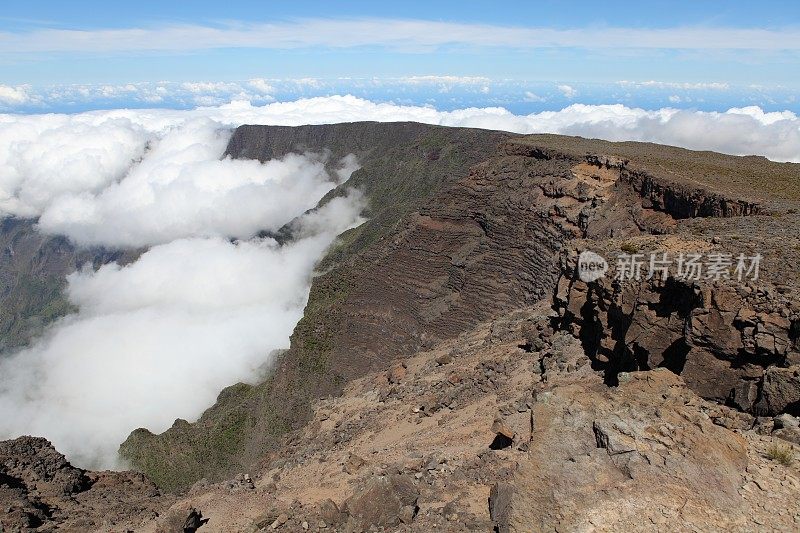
737	131
202	307
442	92
102	180
159	338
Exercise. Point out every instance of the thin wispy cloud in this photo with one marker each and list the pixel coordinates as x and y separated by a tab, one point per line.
441	91
407	34
710	86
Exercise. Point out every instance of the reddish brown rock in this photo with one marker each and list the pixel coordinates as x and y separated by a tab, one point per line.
39	488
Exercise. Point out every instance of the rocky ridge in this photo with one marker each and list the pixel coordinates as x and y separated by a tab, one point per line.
507	427
486	239
41	491
426	380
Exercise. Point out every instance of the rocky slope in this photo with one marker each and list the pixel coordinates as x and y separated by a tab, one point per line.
450	356
464	225
507	427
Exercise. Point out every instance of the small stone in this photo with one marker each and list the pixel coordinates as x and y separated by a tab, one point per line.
433	464
501	428
444	359
304	525
282	519
406	514
397	373
353	464
786	421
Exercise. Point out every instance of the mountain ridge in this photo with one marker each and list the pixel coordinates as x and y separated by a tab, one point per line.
450	353
454	223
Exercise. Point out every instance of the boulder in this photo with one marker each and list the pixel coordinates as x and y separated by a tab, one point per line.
780	391
397	373
786	421
500	505
329	512
383	501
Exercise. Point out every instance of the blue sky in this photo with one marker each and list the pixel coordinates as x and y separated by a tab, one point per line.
518	47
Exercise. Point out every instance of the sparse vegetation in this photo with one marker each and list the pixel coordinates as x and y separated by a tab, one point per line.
629	248
173	521
780	454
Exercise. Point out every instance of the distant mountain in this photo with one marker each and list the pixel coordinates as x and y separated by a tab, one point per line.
33	270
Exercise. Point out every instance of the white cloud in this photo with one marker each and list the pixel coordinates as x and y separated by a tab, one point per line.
83	179
44	156
712	86
210	87
261	85
406	34
13	96
451	80
533	97
568	91
159	338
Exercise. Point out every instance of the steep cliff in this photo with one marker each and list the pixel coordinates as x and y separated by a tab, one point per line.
465	225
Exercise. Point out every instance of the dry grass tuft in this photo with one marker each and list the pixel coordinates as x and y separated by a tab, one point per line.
780	454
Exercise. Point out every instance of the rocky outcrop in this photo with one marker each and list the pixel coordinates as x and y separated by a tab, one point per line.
40	490
385	501
417	455
780	390
681	201
729	341
636	458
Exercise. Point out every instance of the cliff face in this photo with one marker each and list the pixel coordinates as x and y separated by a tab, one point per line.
463	226
733	343
354	320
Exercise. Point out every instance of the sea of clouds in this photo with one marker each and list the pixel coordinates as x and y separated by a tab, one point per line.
207	302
